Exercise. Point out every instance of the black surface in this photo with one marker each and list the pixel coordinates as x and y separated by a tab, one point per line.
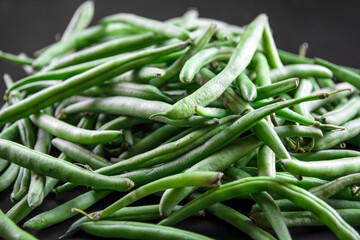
330	27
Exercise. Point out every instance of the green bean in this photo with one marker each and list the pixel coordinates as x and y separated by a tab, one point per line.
290	58
137	230
198	178
211	112
9	176
63	212
352	129
202	58
16	186
23	188
300	71
111	47
304	89
247	88
176	67
37	86
344	113
158	27
341	73
266	162
180	135
16	59
326	154
324	169
143	91
134	107
264	102
122	122
3	165
261	68
255	184
216	86
83	81
75	41
329	189
147	73
36	190
53	167
215	162
270	49
80	154
306	218
152	140
9	230
276	89
298	131
237	220
70	133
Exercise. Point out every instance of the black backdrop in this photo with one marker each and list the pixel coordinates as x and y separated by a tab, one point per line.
330	27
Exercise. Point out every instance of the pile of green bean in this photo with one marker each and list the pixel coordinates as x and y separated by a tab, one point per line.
169	109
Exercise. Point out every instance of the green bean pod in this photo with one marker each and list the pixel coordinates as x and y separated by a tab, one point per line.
262	69
304	89
276	89
344	113
324	169
326	154
158	27
290	58
80	20
270	49
215	87
341	72
53	167
202	58
16	59
9	230
246	87
9	176
211	112
255	184
80	154
299	71
74	134
137	230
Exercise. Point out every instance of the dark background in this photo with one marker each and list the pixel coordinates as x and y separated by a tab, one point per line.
330	27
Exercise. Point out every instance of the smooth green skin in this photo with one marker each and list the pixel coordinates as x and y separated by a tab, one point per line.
35	196
265	201
291	58
9	230
80	20
152	25
97	51
9	176
80	154
3	165
122	122
137	230
133	107
270	49
80	82
49	166
143	91
329	189
343	114
330	139
237	219
23	188
276	89
262	69
17	185
147	73
197	178
189	18
218	161
174	69
305	88
16	59
262	129
71	133
306	218
341	73
63	211
255	184
180	135
326	82
266	162
152	140
326	154
324	169
76	41
138	214
300	71
247	88
37	86
298	131
201	59
211	112
216	86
